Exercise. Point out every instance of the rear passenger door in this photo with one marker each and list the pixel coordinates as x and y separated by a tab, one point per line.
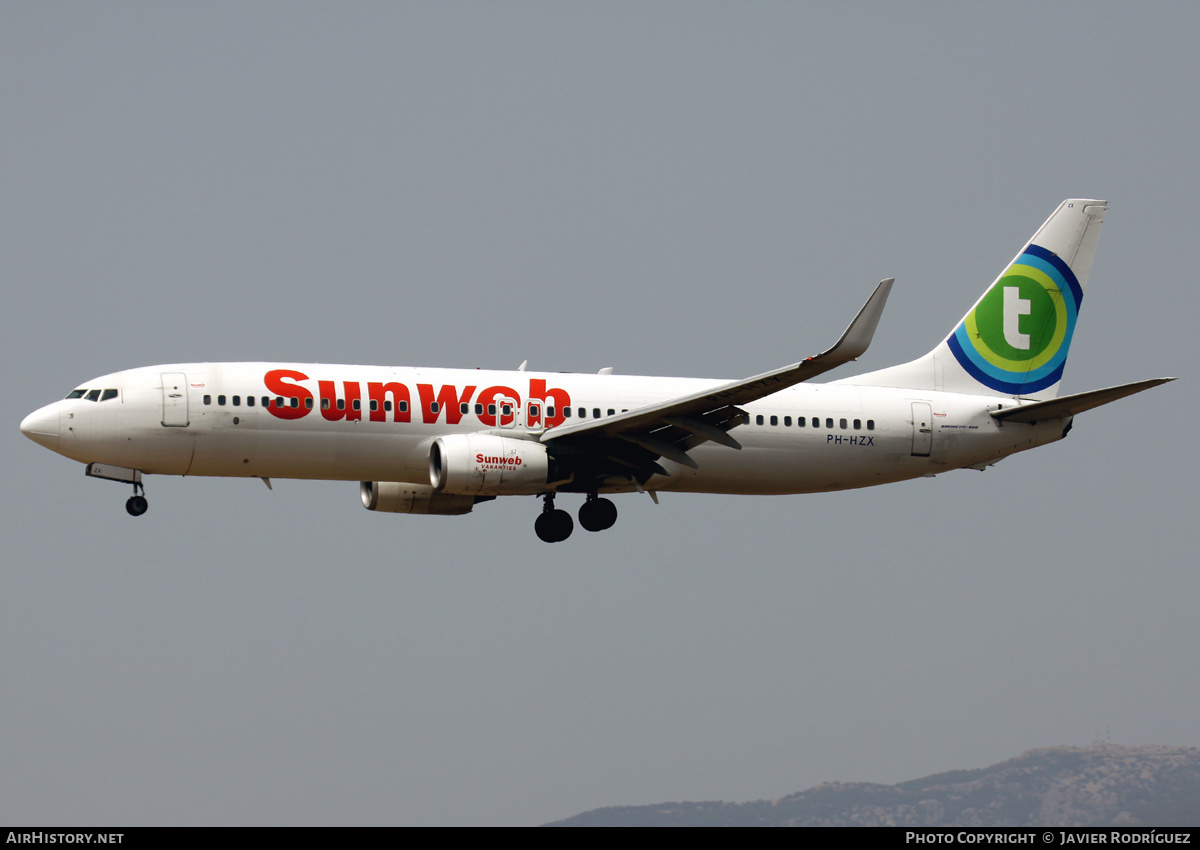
922	428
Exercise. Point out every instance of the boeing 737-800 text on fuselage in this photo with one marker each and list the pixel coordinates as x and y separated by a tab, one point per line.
439	441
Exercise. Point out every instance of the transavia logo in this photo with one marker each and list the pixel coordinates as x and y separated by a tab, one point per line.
1015	341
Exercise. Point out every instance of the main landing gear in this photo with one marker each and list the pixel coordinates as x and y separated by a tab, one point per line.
597	514
554	525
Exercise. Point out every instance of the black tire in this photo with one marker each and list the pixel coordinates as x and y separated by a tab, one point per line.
137	505
597	514
553	526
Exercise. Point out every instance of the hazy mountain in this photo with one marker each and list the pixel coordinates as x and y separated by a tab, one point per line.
1100	785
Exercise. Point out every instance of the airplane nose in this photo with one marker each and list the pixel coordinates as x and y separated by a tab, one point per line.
41	426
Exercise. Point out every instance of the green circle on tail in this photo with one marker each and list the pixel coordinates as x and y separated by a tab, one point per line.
1038	324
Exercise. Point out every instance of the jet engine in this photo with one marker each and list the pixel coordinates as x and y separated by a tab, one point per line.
400	497
488	464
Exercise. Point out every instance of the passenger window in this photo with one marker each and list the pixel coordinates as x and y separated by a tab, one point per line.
787	421
611	411
566	413
595	413
208	399
357	404
801	421
774	420
237	401
402	406
817	422
857	424
341	404
491	410
308	403
77	394
374	404
870	424
108	394
478	409
829	423
324	404
583	413
506	409
842	423
387	405
433	407
463	408
550	411
533	410
758	420
280	401
296	401
249	401
93	395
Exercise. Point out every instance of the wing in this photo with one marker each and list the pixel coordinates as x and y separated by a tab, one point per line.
636	439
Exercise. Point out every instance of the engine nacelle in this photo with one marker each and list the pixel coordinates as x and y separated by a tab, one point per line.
400	497
488	464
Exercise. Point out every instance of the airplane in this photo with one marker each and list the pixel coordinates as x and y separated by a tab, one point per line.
440	441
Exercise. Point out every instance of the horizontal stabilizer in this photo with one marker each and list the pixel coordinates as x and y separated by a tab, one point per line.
1059	408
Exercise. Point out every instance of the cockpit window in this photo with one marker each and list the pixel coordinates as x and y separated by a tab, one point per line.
77	394
108	394
93	395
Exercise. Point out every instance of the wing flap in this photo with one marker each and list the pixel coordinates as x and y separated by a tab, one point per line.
706	430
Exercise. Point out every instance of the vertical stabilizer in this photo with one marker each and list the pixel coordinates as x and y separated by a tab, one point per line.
1015	340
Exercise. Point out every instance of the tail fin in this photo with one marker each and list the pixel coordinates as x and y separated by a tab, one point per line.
1015	340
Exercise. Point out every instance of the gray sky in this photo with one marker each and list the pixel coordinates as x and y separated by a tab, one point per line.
666	188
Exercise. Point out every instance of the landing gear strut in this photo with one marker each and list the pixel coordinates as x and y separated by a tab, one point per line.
597	514
553	526
137	505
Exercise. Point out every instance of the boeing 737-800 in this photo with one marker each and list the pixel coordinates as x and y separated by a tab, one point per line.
439	441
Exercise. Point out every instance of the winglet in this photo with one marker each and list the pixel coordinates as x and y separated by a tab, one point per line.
858	335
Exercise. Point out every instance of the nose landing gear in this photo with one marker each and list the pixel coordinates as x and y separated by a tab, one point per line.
137	505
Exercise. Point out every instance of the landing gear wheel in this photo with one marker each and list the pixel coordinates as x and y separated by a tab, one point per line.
597	514
137	505
554	526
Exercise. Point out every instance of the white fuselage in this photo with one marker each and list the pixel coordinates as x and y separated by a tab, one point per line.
372	423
